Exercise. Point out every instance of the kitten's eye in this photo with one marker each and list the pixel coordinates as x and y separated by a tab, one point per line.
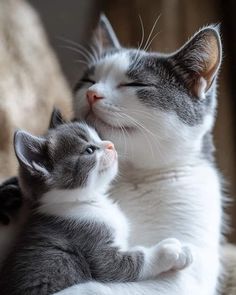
87	80
134	84
90	150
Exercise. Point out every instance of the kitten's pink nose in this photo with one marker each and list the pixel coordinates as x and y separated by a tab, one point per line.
109	146
93	96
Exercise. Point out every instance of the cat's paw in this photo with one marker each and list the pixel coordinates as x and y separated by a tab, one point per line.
10	200
172	255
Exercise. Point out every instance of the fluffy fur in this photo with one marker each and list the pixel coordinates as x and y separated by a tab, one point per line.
159	110
75	233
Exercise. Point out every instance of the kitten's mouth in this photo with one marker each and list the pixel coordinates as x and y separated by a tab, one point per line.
108	163
97	121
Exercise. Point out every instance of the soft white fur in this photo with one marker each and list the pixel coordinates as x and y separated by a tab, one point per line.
165	188
91	203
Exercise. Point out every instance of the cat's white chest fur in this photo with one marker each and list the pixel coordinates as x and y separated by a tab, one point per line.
183	203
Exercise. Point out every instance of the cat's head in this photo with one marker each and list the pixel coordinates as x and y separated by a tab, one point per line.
69	156
156	108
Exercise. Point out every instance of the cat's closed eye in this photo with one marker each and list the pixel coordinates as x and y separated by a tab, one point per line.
87	80
134	84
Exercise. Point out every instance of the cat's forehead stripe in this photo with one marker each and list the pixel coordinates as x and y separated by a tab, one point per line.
114	63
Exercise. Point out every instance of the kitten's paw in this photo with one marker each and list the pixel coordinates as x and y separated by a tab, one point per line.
10	200
173	255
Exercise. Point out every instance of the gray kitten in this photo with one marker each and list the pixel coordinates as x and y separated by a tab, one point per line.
75	233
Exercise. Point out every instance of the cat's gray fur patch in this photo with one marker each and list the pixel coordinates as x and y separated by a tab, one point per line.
167	91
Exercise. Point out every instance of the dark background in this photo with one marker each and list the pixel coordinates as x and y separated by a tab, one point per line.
74	20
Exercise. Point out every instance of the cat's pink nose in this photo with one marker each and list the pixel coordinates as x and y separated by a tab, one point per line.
93	96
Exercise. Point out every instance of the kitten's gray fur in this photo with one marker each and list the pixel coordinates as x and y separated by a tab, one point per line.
53	253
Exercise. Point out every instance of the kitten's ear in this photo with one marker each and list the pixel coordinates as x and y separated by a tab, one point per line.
56	119
104	36
198	61
31	152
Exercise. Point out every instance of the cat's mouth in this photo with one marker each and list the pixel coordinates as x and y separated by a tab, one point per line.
96	121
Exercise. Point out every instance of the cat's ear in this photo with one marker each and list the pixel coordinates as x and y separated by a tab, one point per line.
104	35
56	119
31	152
198	61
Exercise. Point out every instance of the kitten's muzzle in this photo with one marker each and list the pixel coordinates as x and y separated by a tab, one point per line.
109	156
108	145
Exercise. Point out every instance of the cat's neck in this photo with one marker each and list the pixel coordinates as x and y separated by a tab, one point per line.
160	170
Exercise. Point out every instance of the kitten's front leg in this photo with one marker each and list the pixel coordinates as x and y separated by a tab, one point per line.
168	255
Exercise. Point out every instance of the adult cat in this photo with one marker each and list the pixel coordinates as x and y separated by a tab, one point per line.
159	111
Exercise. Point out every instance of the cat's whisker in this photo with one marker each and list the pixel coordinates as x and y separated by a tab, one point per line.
124	131
99	47
154	37
82	61
154	136
90	54
139	124
79	51
151	32
81	47
142	38
95	53
142	129
148	115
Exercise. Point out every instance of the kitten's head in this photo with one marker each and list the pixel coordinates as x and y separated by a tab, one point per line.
70	156
157	108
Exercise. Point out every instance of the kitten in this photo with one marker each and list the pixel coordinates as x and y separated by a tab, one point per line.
75	233
159	110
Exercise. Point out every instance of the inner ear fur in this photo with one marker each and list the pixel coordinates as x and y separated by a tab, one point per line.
104	35
198	61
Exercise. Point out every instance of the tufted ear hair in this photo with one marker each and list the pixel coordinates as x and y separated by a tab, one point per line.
56	119
104	36
31	153
198	61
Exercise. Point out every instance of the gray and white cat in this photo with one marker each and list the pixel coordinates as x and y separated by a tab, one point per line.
75	233
159	110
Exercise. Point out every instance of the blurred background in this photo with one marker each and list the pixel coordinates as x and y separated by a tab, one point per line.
74	20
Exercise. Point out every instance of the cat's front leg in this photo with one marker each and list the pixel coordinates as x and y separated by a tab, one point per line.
168	255
10	200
